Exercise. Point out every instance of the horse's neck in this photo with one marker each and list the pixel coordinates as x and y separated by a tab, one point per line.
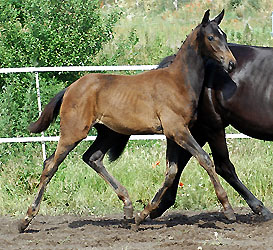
189	64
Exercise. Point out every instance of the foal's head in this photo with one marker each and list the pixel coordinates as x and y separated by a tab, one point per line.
213	41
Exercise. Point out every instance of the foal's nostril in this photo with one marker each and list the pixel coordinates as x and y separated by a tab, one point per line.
231	66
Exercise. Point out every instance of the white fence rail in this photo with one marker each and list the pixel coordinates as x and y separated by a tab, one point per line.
36	70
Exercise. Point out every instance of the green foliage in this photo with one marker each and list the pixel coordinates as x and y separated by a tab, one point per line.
45	33
53	33
235	3
15	108
255	4
122	49
129	50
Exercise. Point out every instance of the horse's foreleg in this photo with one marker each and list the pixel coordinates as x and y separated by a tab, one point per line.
185	140
170	177
189	143
168	198
94	158
225	168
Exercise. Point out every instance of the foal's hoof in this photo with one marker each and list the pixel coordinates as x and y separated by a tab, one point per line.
229	213
22	225
135	228
138	219
127	223
128	212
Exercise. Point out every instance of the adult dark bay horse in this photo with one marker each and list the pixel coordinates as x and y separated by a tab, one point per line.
243	99
159	101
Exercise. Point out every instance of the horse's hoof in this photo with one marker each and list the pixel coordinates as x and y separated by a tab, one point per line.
22	225
127	223
267	215
229	213
138	219
128	212
135	227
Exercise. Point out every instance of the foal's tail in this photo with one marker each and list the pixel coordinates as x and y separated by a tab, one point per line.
48	115
117	149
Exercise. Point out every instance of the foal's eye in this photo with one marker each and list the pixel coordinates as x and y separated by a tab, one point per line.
210	38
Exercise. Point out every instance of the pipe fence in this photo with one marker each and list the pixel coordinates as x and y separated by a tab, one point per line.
36	70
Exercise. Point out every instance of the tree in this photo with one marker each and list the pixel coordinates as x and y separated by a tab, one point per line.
53	33
45	33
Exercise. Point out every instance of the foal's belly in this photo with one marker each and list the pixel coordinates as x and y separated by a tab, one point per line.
132	125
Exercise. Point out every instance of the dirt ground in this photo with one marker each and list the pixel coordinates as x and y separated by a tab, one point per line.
175	230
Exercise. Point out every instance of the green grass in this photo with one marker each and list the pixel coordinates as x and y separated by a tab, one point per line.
145	37
77	189
161	32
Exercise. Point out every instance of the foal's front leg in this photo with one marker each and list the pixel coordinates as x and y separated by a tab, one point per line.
204	160
171	173
168	198
185	140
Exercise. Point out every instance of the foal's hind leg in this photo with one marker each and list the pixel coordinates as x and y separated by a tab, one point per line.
50	168
94	158
65	145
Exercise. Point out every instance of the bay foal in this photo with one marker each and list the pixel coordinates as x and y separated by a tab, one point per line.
159	101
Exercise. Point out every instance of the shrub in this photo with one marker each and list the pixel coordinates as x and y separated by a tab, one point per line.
46	33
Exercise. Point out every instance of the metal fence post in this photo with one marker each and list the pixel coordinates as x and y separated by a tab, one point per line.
40	111
272	23
175	4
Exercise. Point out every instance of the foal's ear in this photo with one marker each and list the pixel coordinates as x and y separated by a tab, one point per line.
219	18
205	19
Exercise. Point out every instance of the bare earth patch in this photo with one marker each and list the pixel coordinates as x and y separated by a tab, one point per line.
175	230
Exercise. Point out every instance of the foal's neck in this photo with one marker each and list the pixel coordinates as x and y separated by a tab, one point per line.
189	64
